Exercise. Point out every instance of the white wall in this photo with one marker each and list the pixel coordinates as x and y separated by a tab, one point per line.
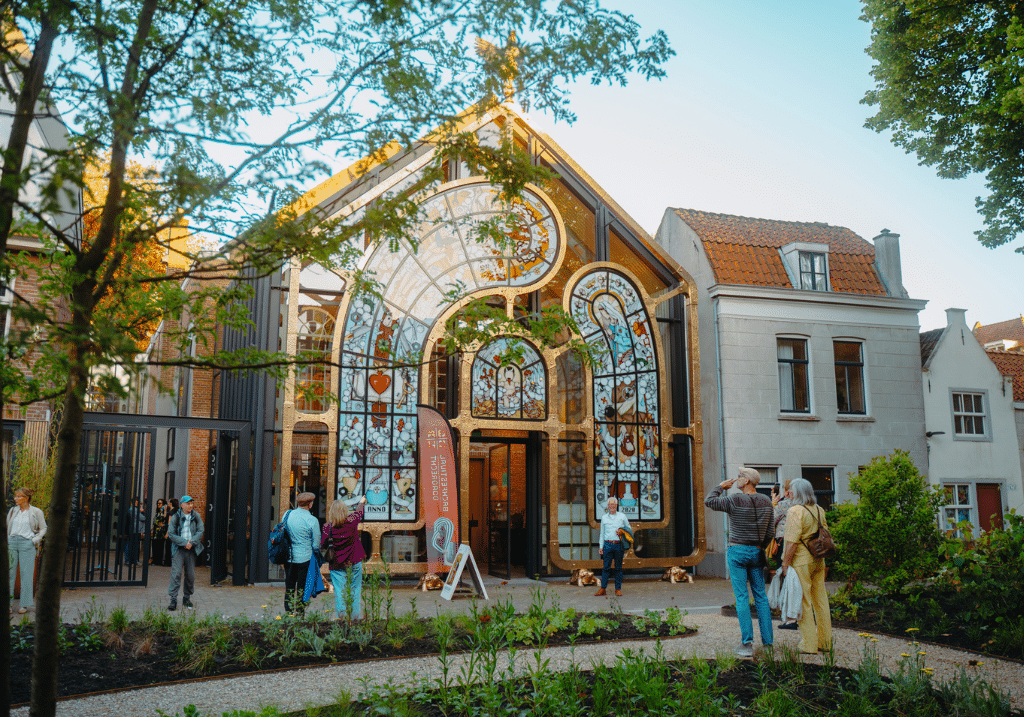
958	362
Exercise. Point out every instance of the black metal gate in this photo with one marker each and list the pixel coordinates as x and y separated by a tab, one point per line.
111	516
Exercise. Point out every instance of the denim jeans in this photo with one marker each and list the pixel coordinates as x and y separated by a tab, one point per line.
612	551
743	566
339	578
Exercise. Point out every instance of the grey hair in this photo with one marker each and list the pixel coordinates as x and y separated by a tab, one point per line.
613	499
803	492
752	476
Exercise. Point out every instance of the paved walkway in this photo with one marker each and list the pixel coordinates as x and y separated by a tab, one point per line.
705	595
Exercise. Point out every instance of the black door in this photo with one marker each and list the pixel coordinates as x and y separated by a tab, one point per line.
511	474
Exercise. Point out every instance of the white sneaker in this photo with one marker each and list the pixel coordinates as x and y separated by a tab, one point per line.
745	650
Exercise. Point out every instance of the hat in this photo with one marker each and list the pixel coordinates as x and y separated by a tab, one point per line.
185	499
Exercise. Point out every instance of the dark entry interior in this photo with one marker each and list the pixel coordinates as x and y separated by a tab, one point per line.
504	510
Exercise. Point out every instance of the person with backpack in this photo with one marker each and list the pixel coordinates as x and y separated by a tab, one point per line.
185	531
304	533
751	528
804	522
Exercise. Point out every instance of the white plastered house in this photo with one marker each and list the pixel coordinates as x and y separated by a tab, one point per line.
810	363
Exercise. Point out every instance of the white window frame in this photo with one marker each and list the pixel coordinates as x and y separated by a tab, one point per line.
958	508
790	390
984	414
846	365
6	302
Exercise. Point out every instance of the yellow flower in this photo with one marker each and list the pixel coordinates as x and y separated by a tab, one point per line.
874	639
921	652
263	606
913	629
277	617
903	654
864	634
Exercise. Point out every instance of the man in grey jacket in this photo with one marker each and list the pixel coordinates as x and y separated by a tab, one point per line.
185	531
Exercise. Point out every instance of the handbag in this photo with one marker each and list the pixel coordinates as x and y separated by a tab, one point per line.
328	549
820	545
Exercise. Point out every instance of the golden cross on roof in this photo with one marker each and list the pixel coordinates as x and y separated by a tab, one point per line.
503	59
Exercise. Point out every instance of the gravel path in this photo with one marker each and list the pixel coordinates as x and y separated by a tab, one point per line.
295	689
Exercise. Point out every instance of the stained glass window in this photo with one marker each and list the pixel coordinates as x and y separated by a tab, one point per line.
383	339
515	390
612	319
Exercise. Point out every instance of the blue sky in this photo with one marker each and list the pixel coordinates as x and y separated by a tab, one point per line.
760	116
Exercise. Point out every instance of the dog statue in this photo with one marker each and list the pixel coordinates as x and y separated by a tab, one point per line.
430	581
677	575
582	577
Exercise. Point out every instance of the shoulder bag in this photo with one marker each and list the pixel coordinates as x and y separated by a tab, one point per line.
820	545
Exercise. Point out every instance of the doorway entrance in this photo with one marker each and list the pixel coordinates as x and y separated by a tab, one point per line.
504	510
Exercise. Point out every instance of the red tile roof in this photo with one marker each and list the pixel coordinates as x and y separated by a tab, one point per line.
1011	363
1012	330
742	250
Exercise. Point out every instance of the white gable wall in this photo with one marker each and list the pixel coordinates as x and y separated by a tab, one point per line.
959	363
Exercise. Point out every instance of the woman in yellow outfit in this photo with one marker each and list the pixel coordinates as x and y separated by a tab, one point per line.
802	521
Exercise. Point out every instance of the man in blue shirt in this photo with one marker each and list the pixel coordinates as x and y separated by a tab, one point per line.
304	531
612	547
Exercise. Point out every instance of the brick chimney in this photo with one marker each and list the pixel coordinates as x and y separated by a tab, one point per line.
887	262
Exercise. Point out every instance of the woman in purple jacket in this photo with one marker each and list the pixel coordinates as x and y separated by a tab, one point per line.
342	530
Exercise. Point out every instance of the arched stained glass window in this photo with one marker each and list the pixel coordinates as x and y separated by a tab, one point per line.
627	452
383	339
516	390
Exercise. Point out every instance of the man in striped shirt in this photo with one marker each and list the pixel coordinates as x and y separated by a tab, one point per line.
751	524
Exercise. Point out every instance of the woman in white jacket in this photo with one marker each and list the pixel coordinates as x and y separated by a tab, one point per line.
26	527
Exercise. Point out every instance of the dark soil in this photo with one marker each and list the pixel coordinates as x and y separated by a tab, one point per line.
139	661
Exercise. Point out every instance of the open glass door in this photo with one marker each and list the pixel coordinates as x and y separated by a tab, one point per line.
500	540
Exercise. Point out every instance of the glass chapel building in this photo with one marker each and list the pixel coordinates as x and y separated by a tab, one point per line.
540	445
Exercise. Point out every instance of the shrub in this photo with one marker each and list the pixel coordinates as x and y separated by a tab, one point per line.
890	536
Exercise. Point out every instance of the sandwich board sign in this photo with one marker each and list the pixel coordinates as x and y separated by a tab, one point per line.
464	556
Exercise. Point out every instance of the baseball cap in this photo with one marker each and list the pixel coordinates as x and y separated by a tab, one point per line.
185	499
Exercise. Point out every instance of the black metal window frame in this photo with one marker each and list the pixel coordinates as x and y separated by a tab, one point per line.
790	388
815	276
849	373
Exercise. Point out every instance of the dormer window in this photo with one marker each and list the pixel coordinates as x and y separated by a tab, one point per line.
806	264
813	271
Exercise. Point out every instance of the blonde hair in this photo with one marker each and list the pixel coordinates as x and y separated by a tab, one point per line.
785	484
304	500
752	476
27	492
337	514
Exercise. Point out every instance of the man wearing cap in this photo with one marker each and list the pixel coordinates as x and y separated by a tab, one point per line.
185	531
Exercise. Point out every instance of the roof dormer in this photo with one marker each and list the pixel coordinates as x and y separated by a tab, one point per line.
806	264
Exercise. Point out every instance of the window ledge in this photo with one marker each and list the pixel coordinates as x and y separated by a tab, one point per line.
855	419
797	417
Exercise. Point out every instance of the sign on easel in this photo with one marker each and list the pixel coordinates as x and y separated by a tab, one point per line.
464	556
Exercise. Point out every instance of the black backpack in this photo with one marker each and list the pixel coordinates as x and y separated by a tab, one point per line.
279	547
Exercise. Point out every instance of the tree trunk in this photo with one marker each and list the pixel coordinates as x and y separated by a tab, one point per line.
5	629
51	574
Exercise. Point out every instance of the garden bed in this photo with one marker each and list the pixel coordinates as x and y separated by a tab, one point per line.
117	653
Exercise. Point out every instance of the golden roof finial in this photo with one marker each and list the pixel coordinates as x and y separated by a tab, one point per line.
504	61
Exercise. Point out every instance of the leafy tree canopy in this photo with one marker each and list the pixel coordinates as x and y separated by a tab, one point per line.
950	87
237	107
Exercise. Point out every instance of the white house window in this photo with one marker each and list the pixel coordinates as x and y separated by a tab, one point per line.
959	506
969	419
813	271
849	376
793	386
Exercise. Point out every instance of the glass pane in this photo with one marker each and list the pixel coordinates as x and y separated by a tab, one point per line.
805	262
801	397
793	349
958	424
949	491
786	386
976	403
958	402
962	495
847	351
979	426
963	514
